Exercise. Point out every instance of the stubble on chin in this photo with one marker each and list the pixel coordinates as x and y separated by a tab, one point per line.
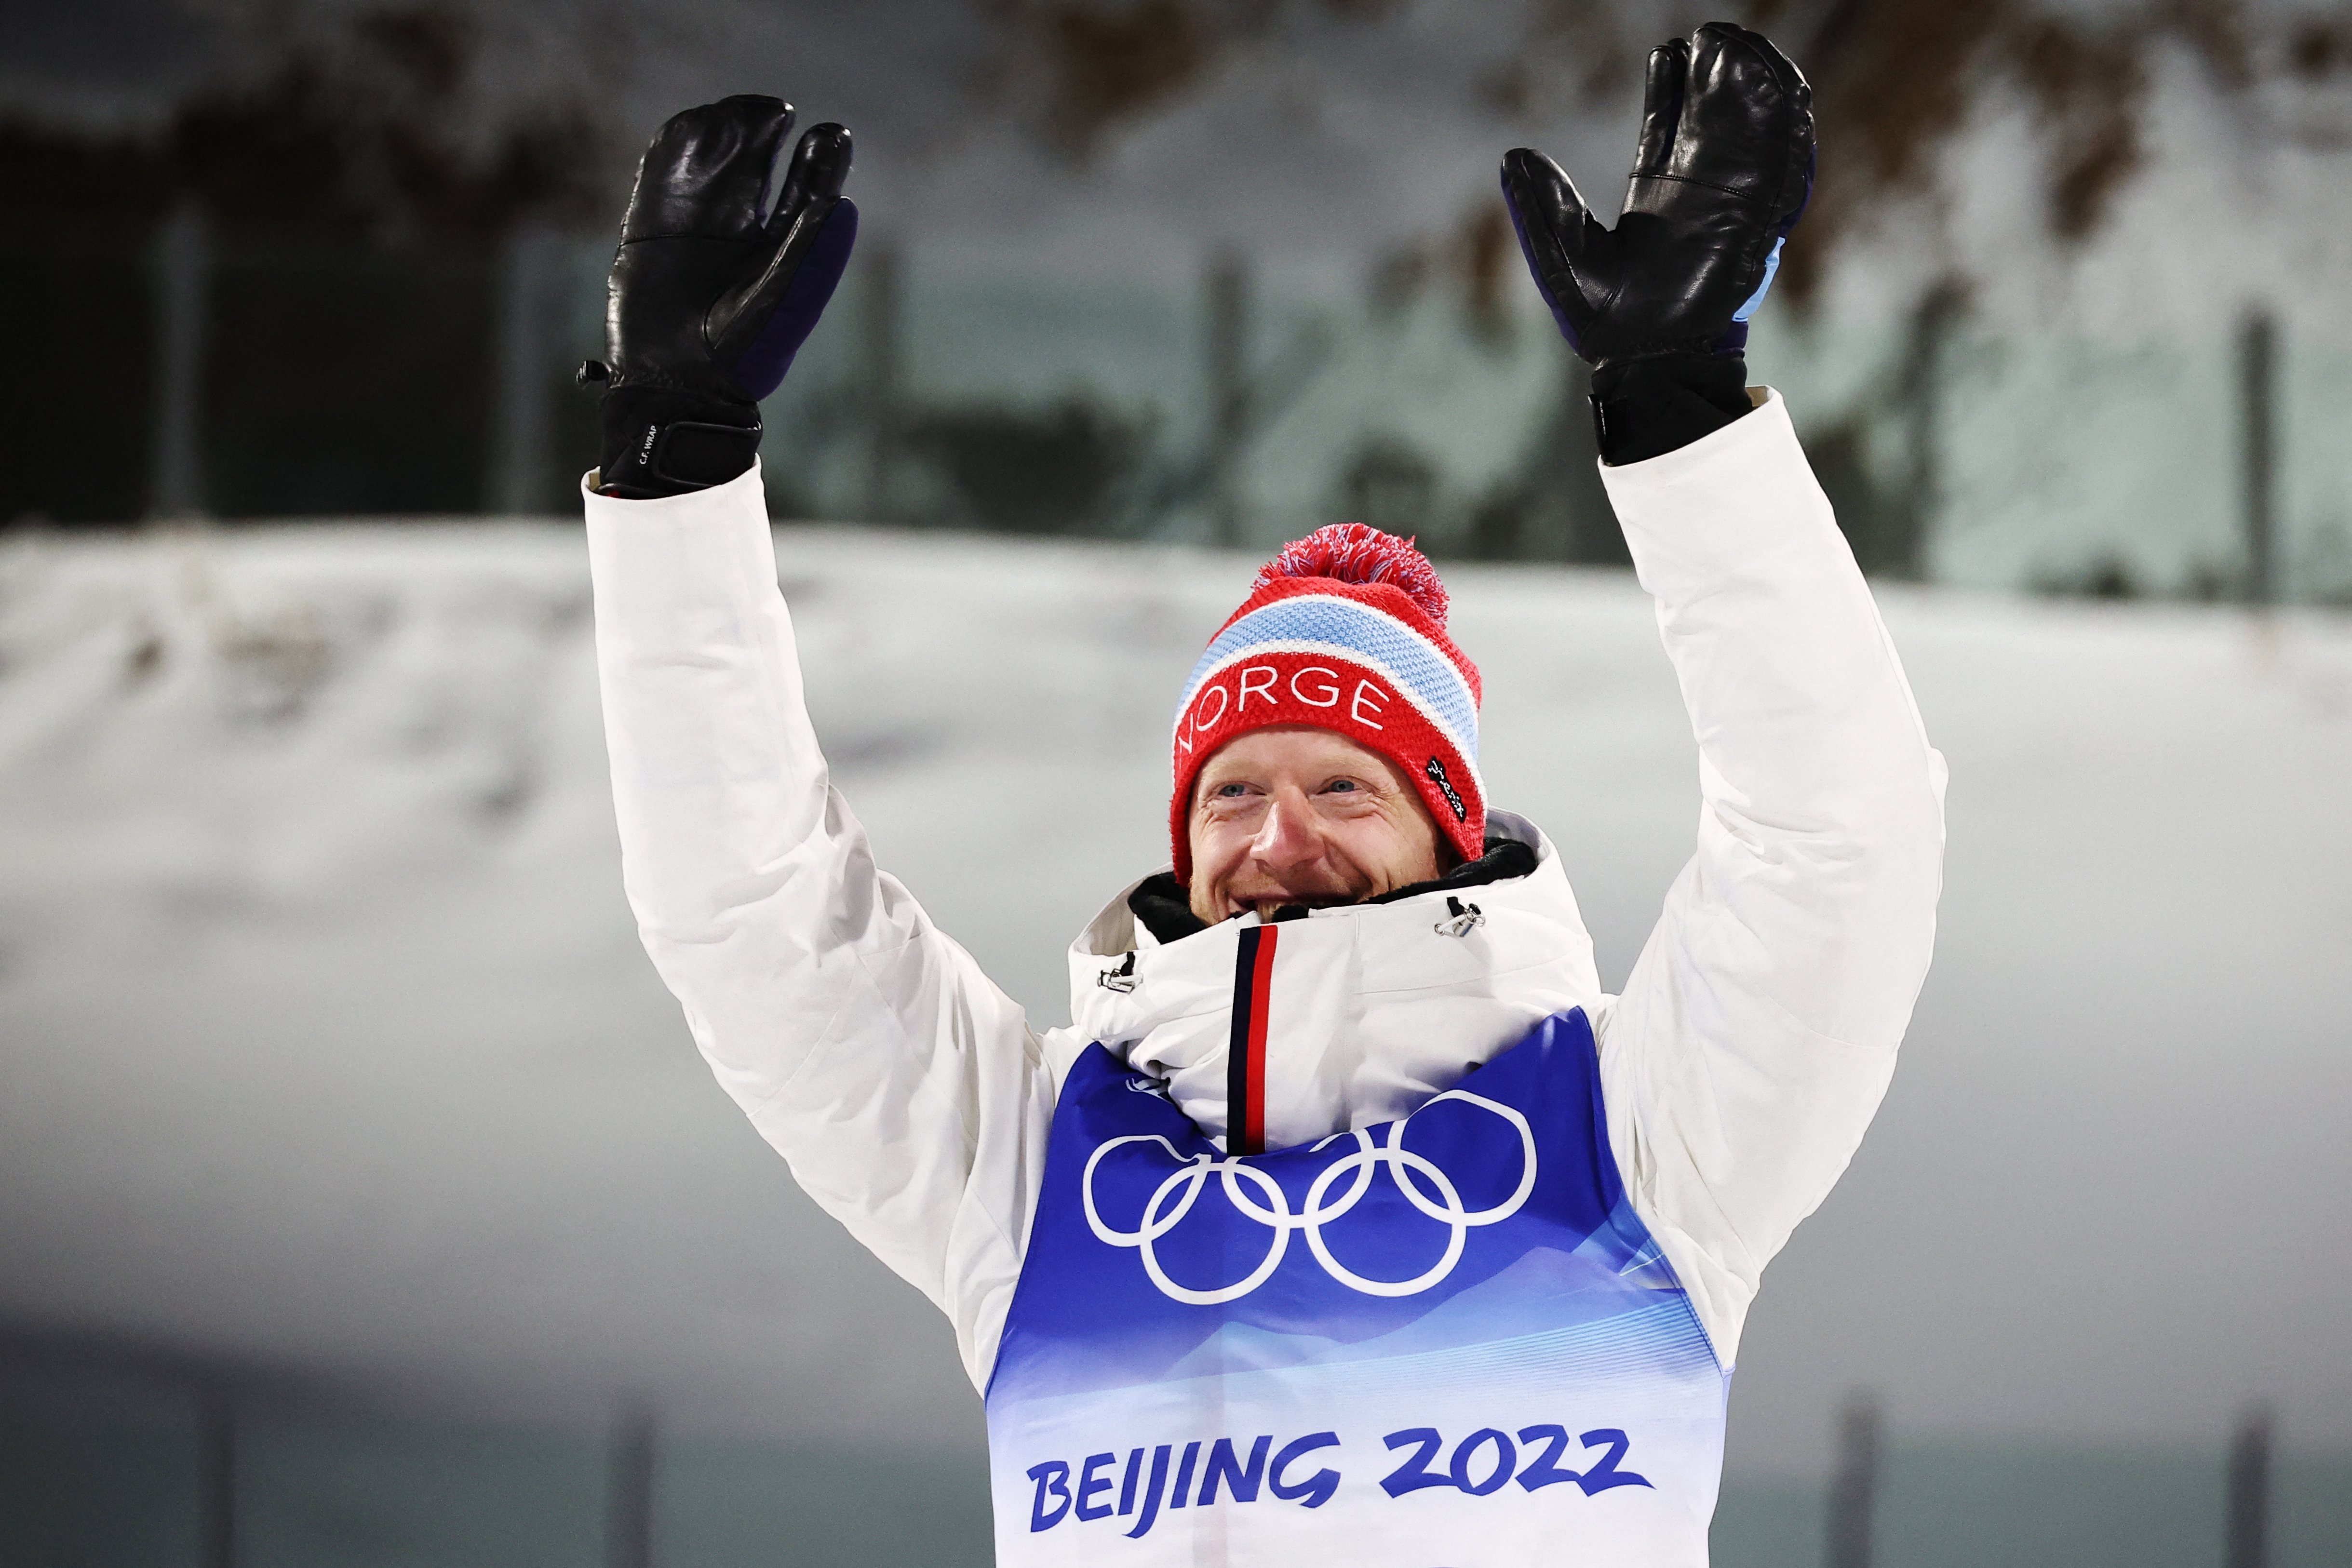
1225	904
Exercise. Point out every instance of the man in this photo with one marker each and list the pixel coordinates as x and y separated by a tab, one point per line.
1351	1221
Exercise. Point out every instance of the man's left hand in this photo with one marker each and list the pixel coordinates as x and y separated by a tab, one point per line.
1721	173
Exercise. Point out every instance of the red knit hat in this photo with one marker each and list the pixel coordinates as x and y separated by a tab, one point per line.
1345	630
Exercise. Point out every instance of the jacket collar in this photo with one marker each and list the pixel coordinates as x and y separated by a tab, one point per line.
1373	1007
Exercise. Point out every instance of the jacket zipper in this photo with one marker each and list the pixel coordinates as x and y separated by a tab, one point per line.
1246	1054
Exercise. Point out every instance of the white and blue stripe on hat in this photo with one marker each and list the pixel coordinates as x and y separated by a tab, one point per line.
1307	622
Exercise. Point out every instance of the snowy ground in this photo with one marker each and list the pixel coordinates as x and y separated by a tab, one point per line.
326	1046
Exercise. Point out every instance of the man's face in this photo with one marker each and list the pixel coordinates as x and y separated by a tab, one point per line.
1298	815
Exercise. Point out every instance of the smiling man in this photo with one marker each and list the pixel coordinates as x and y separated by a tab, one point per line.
1309	770
1351	1220
1300	817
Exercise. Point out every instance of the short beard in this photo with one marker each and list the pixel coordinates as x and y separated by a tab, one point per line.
1212	911
1218	907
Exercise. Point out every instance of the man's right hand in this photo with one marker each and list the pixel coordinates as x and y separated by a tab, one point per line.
711	295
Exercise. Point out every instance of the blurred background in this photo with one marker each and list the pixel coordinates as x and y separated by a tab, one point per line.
362	1201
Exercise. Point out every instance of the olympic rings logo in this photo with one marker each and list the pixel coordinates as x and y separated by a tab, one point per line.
1182	1188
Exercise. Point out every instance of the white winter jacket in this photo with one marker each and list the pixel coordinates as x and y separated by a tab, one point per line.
1749	1051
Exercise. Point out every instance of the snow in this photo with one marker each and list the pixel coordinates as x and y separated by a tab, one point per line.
326	1046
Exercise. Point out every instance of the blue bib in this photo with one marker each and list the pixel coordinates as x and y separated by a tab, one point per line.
1443	1342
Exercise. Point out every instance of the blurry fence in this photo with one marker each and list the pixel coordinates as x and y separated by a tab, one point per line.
139	1474
188	373
182	373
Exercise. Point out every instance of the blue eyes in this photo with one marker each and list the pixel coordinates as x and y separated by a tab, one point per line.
1236	790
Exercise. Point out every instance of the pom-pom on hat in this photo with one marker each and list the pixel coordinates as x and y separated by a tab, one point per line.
1344	630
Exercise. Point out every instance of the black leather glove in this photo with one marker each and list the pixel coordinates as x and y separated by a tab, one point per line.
1721	173
711	295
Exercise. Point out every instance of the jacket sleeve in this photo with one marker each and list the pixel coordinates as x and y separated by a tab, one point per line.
1757	1029
905	1089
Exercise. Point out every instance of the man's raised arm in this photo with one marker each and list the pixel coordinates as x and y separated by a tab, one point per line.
1757	1029
905	1089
